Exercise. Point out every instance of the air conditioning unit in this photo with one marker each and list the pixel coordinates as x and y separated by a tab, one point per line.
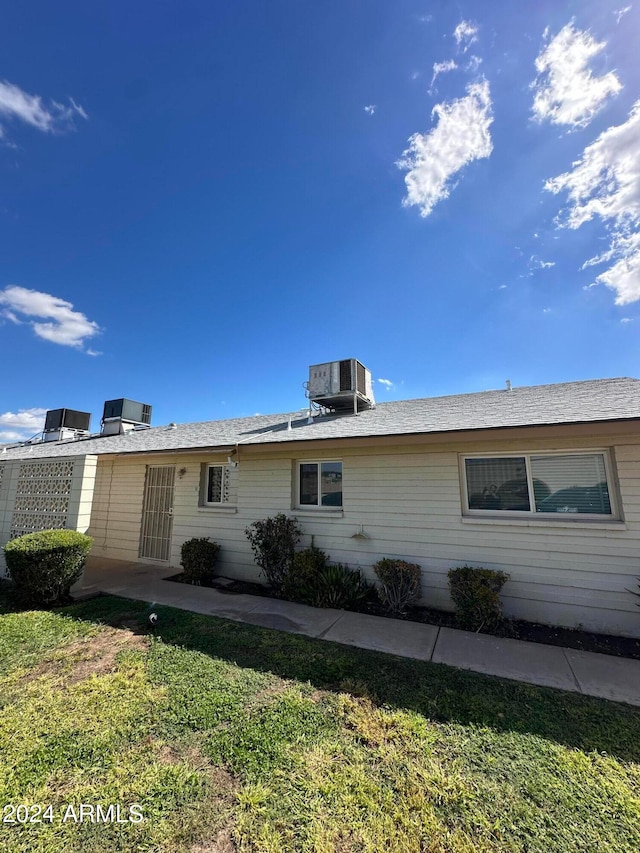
122	415
341	385
64	424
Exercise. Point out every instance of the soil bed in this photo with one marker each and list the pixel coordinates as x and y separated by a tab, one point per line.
516	629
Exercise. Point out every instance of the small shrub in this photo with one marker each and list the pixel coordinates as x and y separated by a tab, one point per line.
400	584
273	541
45	565
476	594
307	564
198	559
335	586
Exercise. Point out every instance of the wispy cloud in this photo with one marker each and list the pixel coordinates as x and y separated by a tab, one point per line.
20	425
460	136
56	320
605	184
619	13
387	383
473	64
370	109
441	68
565	90
627	320
536	263
15	104
465	34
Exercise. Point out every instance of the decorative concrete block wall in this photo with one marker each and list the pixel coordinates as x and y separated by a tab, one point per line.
45	494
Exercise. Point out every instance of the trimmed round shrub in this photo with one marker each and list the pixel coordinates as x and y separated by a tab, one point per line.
45	565
400	586
199	557
476	594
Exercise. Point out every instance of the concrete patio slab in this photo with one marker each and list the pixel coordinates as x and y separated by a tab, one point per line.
606	676
407	639
295	618
516	659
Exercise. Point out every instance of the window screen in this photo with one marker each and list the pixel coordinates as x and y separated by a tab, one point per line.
498	483
572	483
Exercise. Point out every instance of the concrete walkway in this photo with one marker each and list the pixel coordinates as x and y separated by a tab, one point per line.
592	674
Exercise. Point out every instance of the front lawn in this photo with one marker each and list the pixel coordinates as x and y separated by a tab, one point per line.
234	737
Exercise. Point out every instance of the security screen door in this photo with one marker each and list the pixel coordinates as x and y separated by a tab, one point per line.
157	512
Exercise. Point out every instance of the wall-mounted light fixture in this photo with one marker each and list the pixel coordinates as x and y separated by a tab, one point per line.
360	534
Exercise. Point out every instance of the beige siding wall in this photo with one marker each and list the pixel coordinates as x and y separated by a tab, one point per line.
407	500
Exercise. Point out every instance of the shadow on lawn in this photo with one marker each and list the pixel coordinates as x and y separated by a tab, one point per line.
436	691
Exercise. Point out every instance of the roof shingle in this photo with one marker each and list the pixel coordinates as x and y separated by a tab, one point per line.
564	403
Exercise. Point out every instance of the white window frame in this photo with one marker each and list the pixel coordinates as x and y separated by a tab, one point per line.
532	513
225	476
317	506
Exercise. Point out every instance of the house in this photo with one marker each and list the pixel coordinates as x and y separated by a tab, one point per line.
542	482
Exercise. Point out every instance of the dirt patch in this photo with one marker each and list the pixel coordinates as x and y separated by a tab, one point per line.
222	843
94	655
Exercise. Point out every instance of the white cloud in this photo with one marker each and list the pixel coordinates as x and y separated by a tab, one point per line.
20	425
536	263
62	325
388	384
370	109
565	90
620	12
465	34
503	286
605	184
30	109
473	64
441	68
433	158
546	310
627	320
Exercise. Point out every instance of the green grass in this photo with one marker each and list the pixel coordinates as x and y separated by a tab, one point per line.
232	736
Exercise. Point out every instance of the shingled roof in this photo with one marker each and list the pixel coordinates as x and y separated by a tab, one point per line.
566	403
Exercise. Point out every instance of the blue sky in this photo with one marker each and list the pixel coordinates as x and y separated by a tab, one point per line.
197	201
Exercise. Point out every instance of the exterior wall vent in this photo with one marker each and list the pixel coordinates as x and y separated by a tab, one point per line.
341	386
65	424
122	415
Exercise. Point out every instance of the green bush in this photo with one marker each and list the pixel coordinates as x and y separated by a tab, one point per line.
307	564
336	586
199	558
476	594
44	565
273	541
400	584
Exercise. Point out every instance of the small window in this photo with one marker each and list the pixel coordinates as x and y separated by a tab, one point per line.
571	483
216	485
320	484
